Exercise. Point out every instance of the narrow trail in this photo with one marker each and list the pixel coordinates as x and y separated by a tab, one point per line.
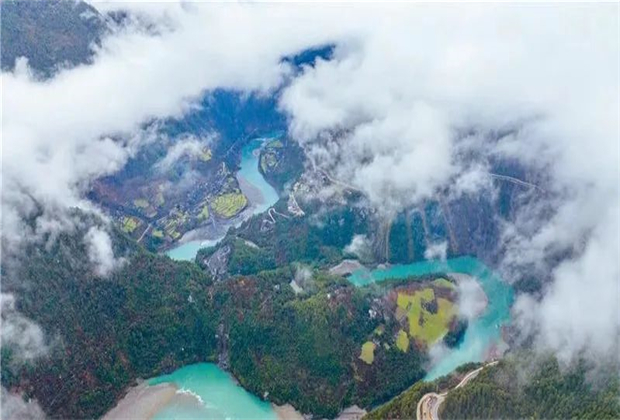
144	233
428	406
516	181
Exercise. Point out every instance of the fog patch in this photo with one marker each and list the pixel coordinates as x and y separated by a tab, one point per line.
190	147
471	301
19	332
14	407
100	252
436	251
360	246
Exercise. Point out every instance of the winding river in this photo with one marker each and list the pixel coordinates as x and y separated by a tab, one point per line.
210	393
259	192
483	332
207	392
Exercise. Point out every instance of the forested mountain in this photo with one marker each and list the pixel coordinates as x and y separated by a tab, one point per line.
537	388
521	386
50	34
153	315
103	332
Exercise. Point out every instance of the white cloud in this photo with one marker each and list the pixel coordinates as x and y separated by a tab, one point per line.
57	133
14	407
436	251
383	115
360	246
386	114
186	147
100	252
19	332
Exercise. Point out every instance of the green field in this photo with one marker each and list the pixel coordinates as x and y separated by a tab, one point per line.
425	326
129	224
368	352
402	341
204	213
229	204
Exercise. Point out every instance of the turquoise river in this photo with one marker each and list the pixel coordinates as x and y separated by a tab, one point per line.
216	395
483	332
248	173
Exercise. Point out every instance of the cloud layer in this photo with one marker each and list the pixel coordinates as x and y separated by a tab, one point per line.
386	115
389	113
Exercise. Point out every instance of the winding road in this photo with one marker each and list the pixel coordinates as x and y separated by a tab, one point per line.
428	407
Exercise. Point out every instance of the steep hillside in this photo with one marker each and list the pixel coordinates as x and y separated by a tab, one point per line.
50	34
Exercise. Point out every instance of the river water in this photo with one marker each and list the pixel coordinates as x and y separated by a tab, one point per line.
261	197
483	332
223	399
211	394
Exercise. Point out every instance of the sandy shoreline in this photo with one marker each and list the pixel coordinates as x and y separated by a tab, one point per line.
287	412
142	402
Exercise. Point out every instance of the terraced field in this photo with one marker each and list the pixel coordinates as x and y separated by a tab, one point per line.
229	204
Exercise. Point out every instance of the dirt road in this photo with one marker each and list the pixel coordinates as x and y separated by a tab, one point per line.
428	407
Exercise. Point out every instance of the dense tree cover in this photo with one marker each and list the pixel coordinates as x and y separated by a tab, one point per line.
529	387
249	259
49	33
455	336
523	385
154	315
305	350
317	238
104	333
403	406
281	162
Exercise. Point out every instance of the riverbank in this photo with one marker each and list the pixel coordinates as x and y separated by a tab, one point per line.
287	412
142	402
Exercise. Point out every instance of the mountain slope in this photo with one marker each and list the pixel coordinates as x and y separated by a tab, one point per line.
49	33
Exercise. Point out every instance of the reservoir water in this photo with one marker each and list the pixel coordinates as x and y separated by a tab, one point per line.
211	394
482	332
248	173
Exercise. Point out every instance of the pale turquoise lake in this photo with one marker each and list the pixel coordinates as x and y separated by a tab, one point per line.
249	173
482	332
221	397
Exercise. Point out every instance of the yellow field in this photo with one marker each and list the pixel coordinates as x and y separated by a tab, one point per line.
368	352
229	204
402	341
129	224
424	325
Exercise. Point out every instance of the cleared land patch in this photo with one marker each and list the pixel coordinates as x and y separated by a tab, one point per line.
368	352
129	224
229	204
425	324
402	341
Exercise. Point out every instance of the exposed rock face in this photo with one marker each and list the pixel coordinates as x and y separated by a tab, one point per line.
217	263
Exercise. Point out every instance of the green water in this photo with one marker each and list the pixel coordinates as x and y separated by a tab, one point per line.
221	397
188	251
482	332
250	173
